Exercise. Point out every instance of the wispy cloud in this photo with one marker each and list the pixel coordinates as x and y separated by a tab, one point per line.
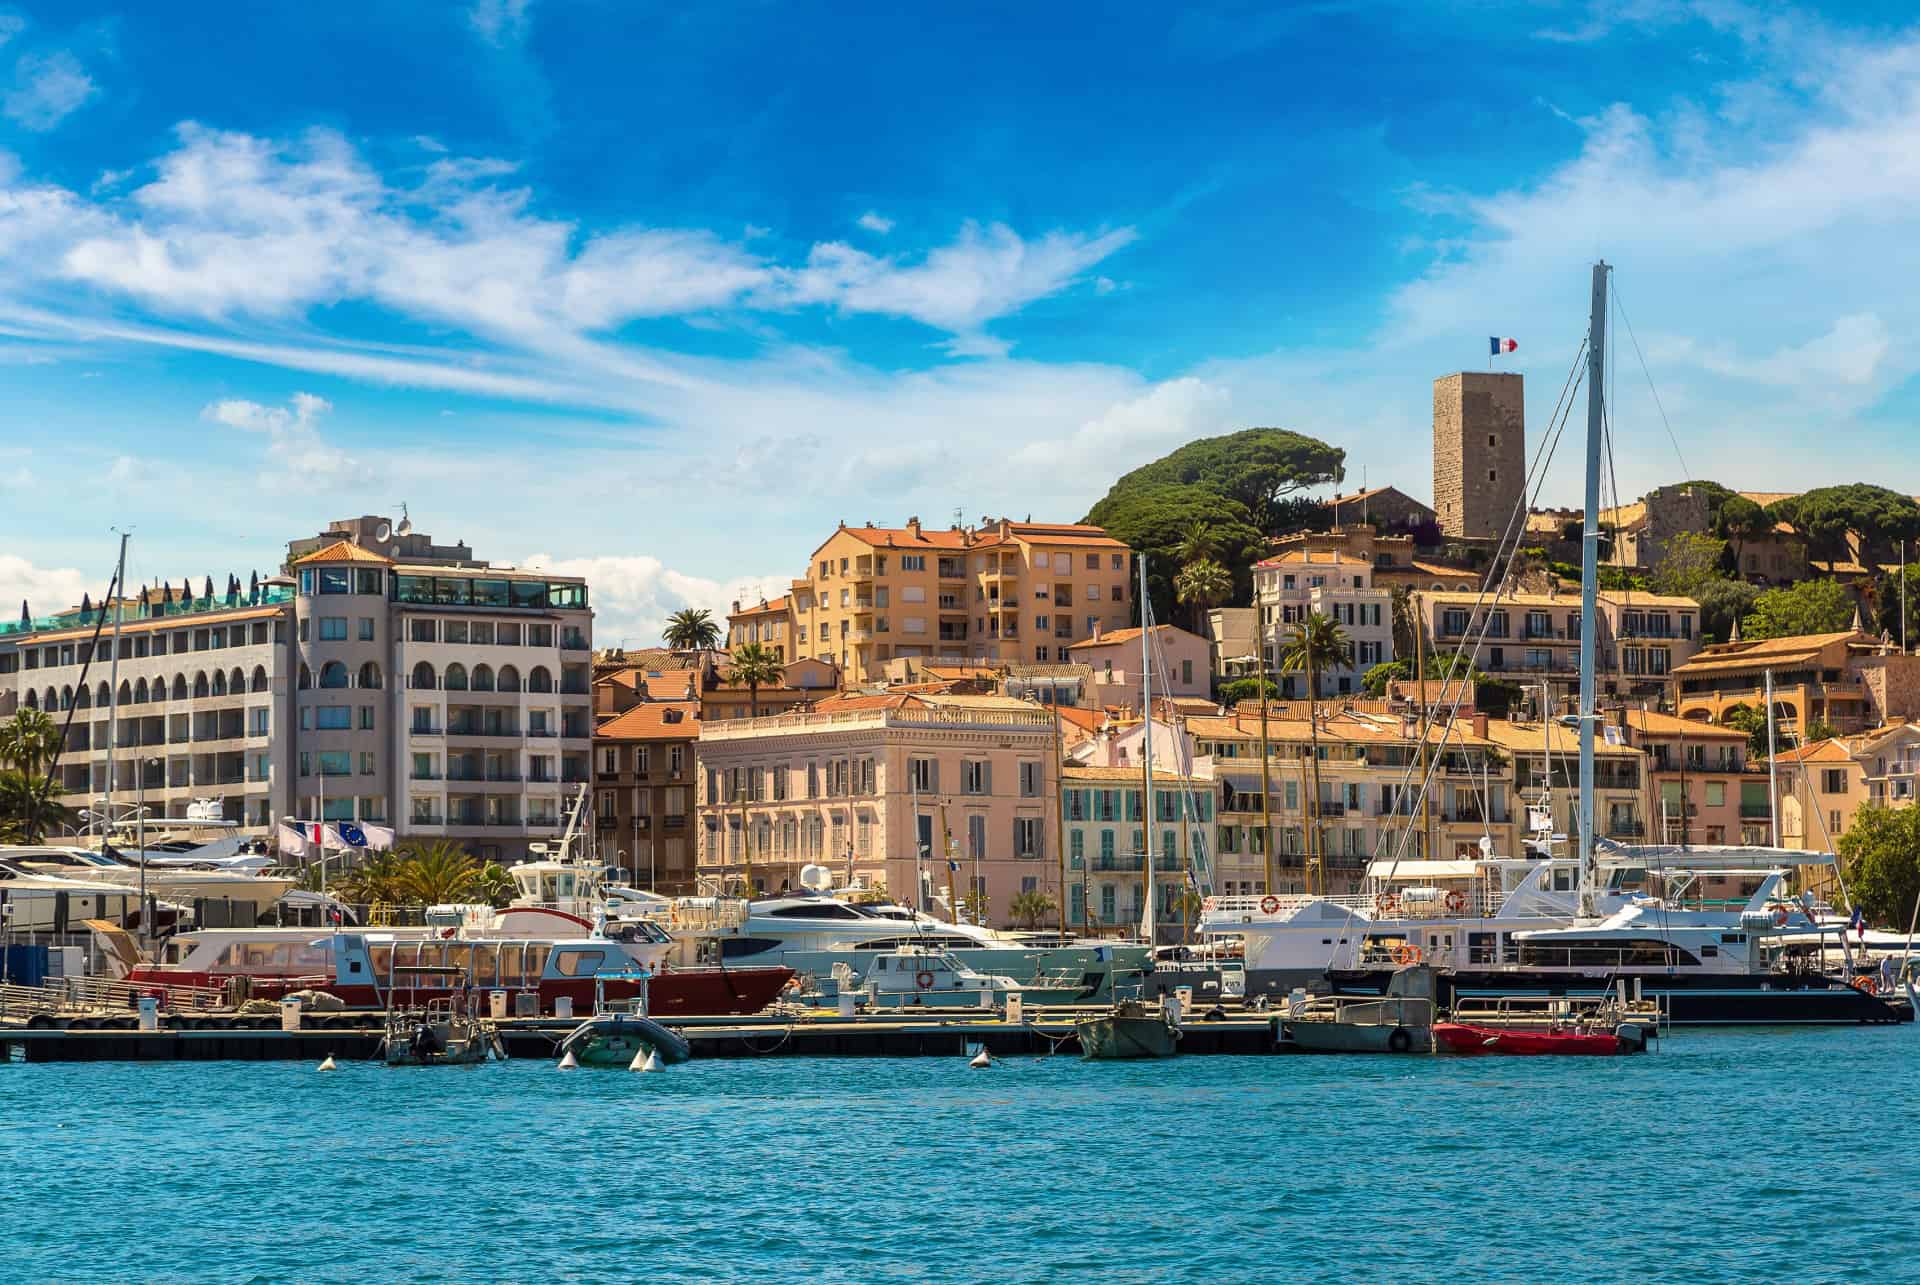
47	88
500	22
874	221
297	457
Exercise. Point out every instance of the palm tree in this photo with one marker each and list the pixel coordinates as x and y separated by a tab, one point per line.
30	807
1201	585
494	885
1187	903
757	667
1197	543
1405	621
1318	644
692	629
1029	908
439	872
29	741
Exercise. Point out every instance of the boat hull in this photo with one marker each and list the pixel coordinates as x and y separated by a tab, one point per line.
1347	1037
1115	1038
1704	1000
1458	1037
614	1039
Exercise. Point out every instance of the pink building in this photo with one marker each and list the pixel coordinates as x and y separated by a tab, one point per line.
1701	789
887	789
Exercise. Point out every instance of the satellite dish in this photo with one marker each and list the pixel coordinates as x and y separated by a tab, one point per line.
383	532
406	521
816	878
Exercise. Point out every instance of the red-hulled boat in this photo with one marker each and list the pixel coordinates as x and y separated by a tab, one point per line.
1459	1037
375	969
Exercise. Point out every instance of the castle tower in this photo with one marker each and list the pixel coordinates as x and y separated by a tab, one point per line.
1479	452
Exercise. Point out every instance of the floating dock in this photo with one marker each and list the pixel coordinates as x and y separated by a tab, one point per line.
821	1033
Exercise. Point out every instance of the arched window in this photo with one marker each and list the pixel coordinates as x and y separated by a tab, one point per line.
333	674
126	692
83	699
259	678
456	677
509	679
140	692
423	679
237	681
179	687
306	676
105	695
483	678
370	675
219	682
539	680
52	702
33	699
200	686
66	697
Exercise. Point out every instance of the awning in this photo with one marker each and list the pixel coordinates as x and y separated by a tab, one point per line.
1388	868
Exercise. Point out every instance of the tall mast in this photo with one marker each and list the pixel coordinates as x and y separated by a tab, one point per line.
1146	755
1590	577
114	596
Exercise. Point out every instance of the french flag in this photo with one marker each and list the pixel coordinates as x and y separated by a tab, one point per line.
1859	924
1497	346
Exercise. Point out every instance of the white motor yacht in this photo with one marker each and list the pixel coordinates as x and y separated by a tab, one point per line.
255	893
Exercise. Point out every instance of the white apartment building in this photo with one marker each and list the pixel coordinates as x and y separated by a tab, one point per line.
1298	582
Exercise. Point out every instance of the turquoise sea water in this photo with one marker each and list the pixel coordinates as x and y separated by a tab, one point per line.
1727	1156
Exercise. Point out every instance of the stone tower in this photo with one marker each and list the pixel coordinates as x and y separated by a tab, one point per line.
1479	452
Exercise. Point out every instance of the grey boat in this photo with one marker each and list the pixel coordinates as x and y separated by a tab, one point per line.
1133	1029
1400	1021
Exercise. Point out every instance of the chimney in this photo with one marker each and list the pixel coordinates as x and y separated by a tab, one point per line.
913	525
1480	726
1096	631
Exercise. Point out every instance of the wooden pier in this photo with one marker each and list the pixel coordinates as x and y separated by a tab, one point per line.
817	1033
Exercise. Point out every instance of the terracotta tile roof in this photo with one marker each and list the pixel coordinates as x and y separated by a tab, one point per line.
1530	737
1831	750
650	721
343	551
1127	775
881	537
1128	635
1724	657
1612	597
777	607
1314	557
1653	723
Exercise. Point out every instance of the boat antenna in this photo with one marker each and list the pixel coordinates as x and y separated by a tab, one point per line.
1590	579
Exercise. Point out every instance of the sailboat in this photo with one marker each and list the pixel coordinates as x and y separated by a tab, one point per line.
1134	1028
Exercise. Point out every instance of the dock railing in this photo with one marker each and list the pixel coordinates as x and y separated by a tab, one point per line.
100	994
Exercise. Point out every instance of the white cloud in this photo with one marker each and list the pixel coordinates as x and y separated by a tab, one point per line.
874	221
1130	433
45	590
11	25
47	88
633	594
500	22
297	457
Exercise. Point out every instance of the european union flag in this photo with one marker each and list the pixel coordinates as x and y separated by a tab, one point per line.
351	835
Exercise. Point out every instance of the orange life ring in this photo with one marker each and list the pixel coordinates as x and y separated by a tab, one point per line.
1780	916
1269	904
446	934
923	979
1406	953
1209	904
1456	901
1867	984
1386	902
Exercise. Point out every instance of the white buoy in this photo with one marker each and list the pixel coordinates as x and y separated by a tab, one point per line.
639	1062
653	1062
569	1062
327	1065
982	1058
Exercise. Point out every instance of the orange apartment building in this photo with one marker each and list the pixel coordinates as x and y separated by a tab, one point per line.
1701	787
1851	680
1002	591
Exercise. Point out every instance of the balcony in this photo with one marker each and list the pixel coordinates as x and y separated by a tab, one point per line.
425	729
1755	812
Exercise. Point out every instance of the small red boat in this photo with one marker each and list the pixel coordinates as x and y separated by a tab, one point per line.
1459	1037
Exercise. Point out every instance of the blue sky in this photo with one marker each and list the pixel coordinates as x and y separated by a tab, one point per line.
660	294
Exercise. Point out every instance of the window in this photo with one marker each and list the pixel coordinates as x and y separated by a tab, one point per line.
1833	780
974	776
259	721
333	629
333	718
1093	562
454	631
1716	793
923	774
421	629
366	629
913	562
1030	779
366	718
1026	836
335	580
336	763
674	759
366	762
610	762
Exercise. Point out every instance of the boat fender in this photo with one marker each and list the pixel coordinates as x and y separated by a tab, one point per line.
923	979
569	1062
1401	1041
327	1065
981	1059
639	1062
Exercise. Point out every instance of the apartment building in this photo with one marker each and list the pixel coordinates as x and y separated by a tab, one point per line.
1181	663
1851	681
1535	637
999	591
645	768
1546	769
1370	803
444	699
1103	820
1820	787
886	789
1396	559
1702	788
768	624
1306	581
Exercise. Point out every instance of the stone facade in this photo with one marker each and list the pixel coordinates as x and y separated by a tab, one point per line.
1479	452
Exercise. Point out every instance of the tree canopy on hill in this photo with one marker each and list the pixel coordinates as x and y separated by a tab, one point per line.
1244	486
1825	515
1257	467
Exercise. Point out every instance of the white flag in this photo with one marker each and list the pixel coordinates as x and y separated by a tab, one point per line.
292	842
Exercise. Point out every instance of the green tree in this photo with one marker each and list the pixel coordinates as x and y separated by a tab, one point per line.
1740	522
1881	850
1152	519
494	885
1187	903
754	666
1029	908
435	873
1198	543
1827	514
1721	603
30	742
692	629
1317	644
1809	607
1201	585
1235	690
1891	604
30	807
1690	563
1257	468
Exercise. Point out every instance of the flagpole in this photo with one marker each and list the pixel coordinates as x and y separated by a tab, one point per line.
320	827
